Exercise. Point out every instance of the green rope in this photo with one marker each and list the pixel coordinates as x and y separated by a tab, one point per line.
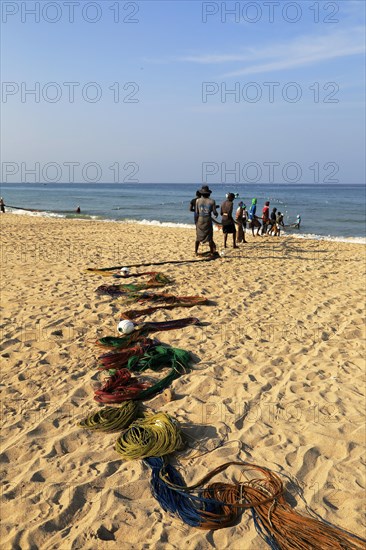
156	359
178	360
159	357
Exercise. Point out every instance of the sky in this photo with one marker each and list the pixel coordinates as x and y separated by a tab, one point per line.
183	91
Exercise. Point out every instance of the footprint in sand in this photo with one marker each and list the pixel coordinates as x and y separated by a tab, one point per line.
38	477
300	387
308	462
270	372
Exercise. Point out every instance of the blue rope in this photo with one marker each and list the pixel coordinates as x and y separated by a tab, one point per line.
192	509
263	533
169	499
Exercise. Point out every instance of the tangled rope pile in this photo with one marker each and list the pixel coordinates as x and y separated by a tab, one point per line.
112	419
152	437
160	357
155	435
219	505
156	280
121	386
117	342
171	302
167	301
118	359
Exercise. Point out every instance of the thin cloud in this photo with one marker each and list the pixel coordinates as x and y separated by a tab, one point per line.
305	50
291	63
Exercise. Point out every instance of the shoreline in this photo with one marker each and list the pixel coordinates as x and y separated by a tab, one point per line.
157	223
279	380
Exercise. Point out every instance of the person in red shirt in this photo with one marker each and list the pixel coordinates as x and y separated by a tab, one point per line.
265	217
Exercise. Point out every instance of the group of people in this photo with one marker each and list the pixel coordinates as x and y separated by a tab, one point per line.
271	222
203	207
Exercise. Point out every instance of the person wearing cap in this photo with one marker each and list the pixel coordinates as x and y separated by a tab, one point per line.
298	221
253	219
265	217
228	224
192	206
2	205
205	206
241	221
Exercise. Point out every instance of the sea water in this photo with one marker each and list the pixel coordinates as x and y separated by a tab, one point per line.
327	211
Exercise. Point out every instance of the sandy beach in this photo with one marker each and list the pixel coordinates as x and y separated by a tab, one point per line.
280	381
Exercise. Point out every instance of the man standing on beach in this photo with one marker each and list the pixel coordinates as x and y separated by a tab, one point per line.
272	221
265	217
241	220
279	223
253	219
192	205
2	205
228	224
204	228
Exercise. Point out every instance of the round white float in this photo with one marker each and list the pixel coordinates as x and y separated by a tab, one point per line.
125	327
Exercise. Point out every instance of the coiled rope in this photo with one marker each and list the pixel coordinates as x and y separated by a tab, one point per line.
152	437
219	504
112	419
155	435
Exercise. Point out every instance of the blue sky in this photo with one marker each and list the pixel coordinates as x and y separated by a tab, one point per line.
175	62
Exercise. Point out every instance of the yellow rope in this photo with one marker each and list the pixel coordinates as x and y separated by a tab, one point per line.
112	419
153	436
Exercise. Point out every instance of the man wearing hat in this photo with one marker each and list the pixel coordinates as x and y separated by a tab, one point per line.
204	228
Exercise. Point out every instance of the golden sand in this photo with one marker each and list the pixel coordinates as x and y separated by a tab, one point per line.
279	382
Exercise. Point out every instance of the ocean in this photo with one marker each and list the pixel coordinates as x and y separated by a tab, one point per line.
334	212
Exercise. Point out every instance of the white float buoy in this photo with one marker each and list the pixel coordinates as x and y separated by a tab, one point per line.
125	327
125	271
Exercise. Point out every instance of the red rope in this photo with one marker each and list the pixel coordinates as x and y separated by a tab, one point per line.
122	386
